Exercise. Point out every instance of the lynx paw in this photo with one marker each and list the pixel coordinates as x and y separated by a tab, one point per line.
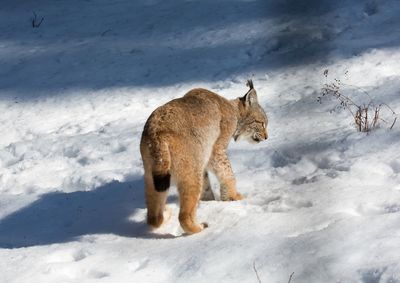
234	197
155	221
194	229
238	196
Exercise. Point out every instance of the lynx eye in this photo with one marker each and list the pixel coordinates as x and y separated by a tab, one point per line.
262	123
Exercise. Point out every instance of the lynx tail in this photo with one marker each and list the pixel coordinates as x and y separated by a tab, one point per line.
161	166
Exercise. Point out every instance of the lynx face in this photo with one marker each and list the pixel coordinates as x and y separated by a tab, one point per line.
253	126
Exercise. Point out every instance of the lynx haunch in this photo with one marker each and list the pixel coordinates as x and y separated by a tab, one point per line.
187	137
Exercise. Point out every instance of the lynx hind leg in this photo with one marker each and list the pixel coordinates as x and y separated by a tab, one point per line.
189	188
155	202
207	193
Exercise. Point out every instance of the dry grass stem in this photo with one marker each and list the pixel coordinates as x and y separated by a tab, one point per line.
366	115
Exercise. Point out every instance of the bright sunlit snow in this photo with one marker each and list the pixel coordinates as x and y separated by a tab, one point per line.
322	200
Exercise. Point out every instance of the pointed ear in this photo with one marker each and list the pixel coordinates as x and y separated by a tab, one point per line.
250	98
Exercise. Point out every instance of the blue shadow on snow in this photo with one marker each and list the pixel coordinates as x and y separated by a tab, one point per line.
61	217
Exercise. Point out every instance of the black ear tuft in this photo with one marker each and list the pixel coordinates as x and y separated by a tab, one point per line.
250	97
250	84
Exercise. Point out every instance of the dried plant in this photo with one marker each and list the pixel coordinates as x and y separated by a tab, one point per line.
367	114
255	270
35	21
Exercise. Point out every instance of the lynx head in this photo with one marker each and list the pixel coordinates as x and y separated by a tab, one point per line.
253	122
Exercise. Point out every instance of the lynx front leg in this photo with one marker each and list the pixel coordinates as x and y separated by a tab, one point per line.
221	166
207	193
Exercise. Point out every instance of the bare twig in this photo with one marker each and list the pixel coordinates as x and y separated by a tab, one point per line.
290	278
390	108
358	120
255	270
395	119
104	32
365	115
360	89
376	117
35	22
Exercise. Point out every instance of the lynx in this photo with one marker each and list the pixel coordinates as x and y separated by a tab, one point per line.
188	136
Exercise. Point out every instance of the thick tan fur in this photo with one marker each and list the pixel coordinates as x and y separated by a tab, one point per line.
188	136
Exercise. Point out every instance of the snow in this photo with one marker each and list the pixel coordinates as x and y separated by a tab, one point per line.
322	200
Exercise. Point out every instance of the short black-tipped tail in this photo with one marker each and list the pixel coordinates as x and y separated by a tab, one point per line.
162	182
161	166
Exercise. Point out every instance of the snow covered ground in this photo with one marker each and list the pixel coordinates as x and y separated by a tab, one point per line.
322	200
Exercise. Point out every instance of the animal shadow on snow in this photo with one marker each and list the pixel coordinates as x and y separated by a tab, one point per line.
59	217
